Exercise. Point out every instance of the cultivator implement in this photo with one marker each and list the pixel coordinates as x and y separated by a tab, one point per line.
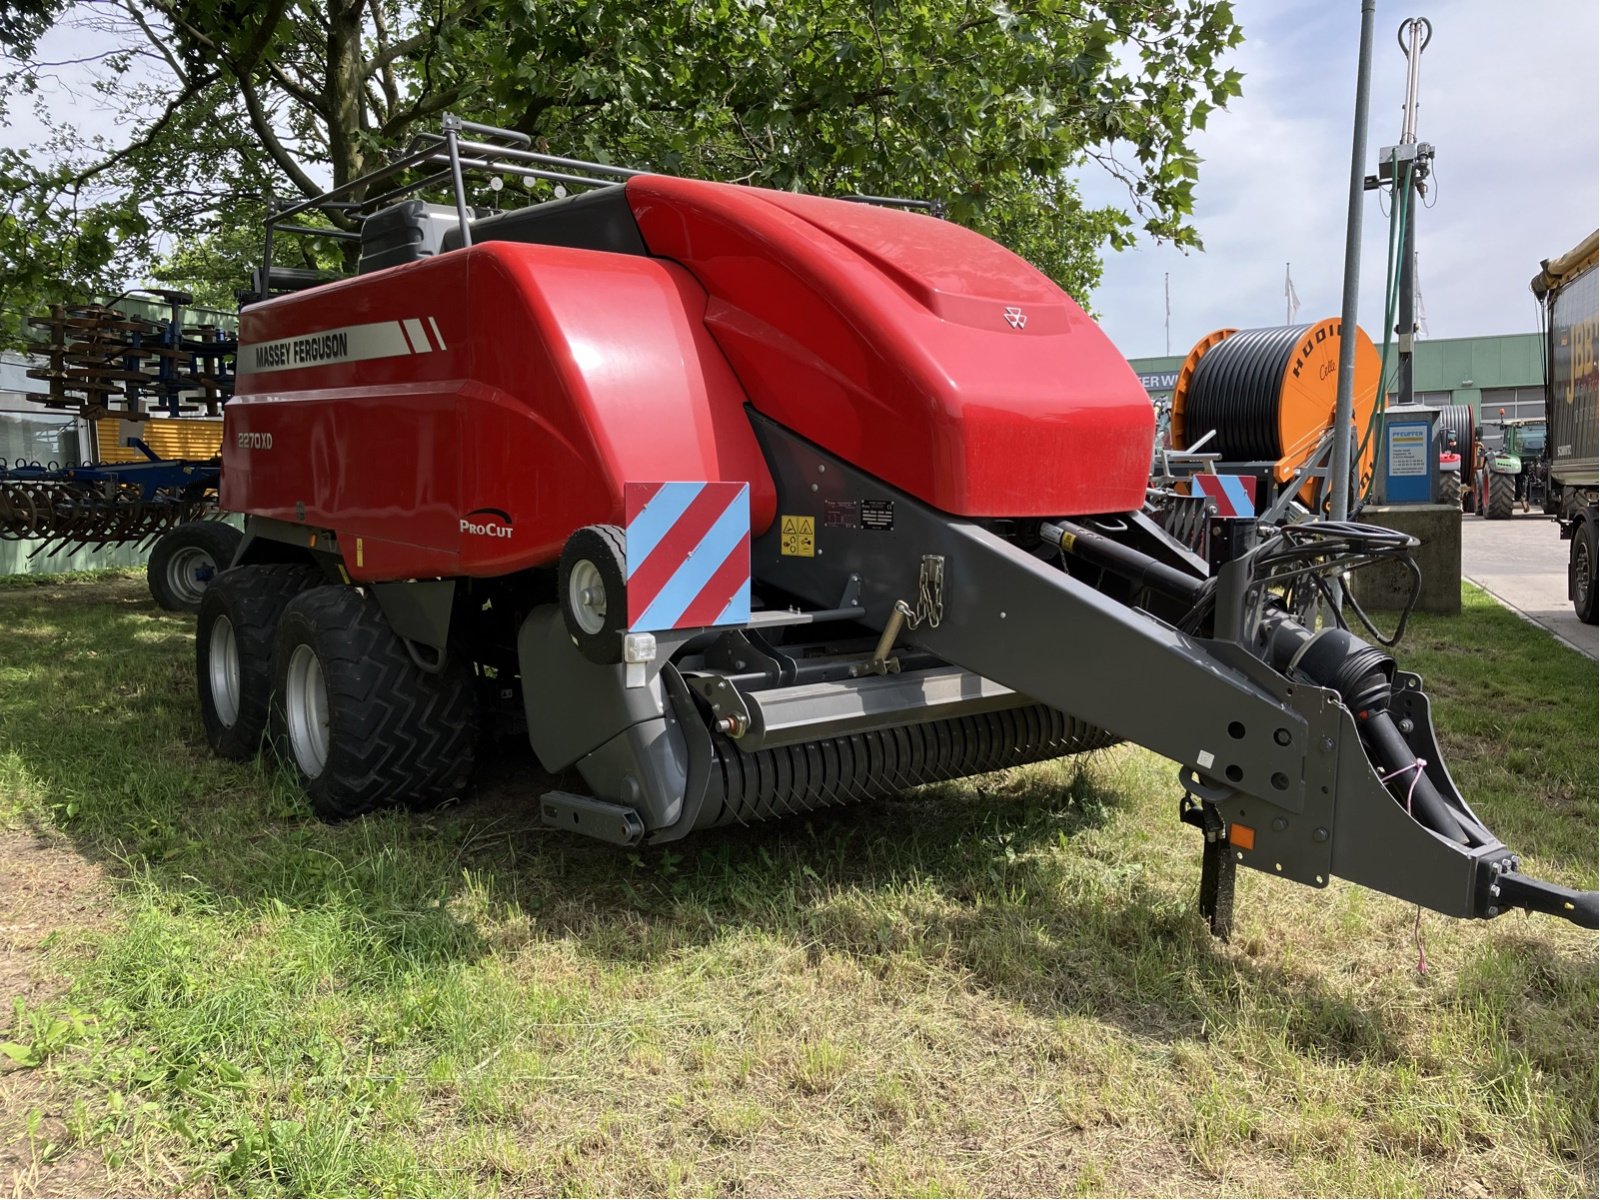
123	372
101	504
102	361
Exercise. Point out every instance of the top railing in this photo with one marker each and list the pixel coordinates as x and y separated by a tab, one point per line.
460	147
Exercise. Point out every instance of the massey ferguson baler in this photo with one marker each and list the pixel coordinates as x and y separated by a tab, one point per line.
750	503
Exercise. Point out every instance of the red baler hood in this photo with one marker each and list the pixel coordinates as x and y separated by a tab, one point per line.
912	347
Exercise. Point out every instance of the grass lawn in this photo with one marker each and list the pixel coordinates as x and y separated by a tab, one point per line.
999	986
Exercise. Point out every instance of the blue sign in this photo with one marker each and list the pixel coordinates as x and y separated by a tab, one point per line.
1408	461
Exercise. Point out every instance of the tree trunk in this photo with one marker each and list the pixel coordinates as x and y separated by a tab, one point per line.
347	111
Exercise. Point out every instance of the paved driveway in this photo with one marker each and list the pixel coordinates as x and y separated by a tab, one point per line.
1523	562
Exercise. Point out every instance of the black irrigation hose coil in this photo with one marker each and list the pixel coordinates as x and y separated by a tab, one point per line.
1456	419
1270	395
1236	390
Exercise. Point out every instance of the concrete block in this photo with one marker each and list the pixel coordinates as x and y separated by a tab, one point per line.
1383	587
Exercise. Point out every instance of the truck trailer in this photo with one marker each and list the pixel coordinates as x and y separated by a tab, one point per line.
1568	290
745	503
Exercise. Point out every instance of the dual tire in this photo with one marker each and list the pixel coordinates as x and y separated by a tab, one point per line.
317	674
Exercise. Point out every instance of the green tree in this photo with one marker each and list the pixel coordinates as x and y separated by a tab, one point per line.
988	107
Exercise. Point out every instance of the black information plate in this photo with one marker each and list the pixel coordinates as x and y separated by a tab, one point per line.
877	514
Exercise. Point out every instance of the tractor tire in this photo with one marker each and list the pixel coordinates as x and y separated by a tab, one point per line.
592	587
356	720
188	558
1502	497
233	651
1581	565
1450	488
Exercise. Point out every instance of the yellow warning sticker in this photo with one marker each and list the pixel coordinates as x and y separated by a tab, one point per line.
797	536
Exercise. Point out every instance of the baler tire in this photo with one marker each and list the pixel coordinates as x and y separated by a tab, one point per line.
1585	601
233	665
1502	497
186	559
595	555
390	732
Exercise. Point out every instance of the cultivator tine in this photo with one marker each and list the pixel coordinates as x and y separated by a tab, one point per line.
72	513
102	362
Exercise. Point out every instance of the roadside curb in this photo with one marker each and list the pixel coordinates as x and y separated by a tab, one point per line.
1588	652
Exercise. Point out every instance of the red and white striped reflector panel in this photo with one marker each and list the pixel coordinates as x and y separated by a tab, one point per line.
688	554
1235	495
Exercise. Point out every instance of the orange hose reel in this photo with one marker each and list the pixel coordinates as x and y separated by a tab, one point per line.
1270	394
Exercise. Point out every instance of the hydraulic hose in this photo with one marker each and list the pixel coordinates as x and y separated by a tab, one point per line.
1397	761
1101	551
1362	675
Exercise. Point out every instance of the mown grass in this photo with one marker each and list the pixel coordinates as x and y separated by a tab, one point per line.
60	578
994	987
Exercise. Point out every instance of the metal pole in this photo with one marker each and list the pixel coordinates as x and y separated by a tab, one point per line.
452	128
1413	29
266	249
1166	283
1406	321
1344	407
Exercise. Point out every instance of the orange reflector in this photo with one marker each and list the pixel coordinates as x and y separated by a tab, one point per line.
1241	837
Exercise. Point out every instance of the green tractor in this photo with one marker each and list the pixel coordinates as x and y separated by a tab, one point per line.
1517	473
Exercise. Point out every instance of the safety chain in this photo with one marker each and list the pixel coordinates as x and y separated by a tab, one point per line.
930	594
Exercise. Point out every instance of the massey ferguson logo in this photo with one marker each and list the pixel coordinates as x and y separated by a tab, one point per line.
1016	318
495	523
254	441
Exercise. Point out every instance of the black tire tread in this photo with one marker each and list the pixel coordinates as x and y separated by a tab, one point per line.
253	598
1502	497
1586	606
217	539
609	552
399	735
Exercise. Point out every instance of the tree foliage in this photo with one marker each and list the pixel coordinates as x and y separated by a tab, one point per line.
987	106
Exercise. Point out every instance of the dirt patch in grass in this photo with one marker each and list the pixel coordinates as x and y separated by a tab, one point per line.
46	888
